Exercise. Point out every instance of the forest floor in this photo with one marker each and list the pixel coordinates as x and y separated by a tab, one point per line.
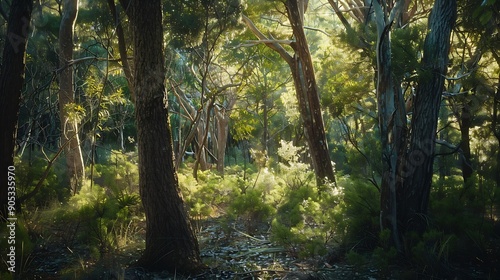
230	252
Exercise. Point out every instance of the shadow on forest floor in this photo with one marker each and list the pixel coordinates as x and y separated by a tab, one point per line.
230	252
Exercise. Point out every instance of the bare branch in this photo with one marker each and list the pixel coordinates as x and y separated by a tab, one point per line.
288	25
274	46
251	43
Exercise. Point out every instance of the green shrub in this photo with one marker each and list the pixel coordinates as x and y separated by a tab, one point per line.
357	217
23	248
251	207
52	188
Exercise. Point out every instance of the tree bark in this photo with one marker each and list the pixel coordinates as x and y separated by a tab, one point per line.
495	124
170	241
465	122
69	126
307	94
201	154
122	49
392	122
11	85
222	114
418	168
306	88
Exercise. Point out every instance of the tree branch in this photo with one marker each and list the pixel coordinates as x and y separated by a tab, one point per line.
272	45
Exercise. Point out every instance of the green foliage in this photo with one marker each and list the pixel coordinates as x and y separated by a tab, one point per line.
103	215
185	19
385	254
23	248
246	124
75	112
205	196
188	19
52	188
343	84
99	218
307	216
383	258
252	208
433	250
364	164
358	214
120	175
295	173
406	44
356	259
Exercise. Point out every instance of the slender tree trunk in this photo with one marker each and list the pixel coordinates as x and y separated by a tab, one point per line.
308	96
170	241
465	125
11	85
392	122
195	118
443	167
122	48
496	125
69	126
418	168
201	154
222	115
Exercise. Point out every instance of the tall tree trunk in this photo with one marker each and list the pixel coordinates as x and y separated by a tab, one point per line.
418	168
170	241
69	126
392	121
306	88
11	84
307	95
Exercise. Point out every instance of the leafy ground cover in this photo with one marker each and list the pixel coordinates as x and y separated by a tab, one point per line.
230	253
262	222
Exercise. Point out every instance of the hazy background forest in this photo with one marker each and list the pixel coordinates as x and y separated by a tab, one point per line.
311	139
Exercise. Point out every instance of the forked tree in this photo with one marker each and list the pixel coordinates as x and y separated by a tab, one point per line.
306	87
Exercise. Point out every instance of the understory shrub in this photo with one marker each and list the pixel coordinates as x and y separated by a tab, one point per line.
52	188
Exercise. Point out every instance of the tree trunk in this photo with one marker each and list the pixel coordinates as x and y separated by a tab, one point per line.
265	119
392	123
307	94
418	168
170	241
222	116
11	85
201	154
465	122
69	126
495	125
122	48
